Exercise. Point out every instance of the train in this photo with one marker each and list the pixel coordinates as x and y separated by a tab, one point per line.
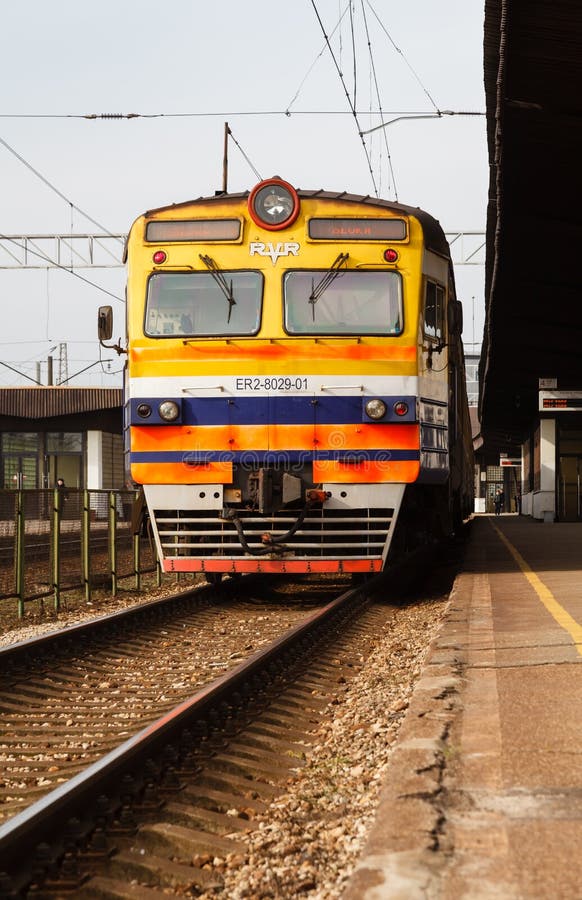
295	395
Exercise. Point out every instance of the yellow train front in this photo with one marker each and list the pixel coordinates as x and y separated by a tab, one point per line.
294	380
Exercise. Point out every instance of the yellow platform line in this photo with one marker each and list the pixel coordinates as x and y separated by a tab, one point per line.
555	609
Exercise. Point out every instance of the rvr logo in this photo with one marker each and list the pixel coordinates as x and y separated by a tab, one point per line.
289	248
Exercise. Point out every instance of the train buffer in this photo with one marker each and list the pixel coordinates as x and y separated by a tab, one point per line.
483	795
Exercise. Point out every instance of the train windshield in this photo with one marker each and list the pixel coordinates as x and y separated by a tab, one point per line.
198	304
353	302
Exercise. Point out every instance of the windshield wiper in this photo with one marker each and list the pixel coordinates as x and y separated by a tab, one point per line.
329	277
221	281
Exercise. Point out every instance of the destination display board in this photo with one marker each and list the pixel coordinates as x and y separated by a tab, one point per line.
560	401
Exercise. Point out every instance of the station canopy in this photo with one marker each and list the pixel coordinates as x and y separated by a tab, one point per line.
533	292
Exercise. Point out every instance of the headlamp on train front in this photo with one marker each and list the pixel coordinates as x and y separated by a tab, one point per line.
273	204
169	410
376	409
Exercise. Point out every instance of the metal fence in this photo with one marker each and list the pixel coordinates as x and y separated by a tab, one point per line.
53	541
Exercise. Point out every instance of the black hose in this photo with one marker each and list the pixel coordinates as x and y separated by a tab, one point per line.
271	544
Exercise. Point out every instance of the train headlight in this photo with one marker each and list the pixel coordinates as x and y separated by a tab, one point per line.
375	409
144	410
273	204
169	410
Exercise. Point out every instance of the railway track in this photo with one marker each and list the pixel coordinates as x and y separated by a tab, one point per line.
174	808
187	782
68	698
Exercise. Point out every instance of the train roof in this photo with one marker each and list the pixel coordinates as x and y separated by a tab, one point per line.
434	235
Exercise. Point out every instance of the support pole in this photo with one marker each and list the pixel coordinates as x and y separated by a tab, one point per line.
112	543
56	547
225	160
19	552
86	544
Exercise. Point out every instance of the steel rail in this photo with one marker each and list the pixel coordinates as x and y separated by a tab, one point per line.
33	647
114	777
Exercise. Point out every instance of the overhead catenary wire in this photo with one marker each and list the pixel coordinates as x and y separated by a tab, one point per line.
399	51
314	63
346	92
210	114
56	265
354	66
55	189
378	99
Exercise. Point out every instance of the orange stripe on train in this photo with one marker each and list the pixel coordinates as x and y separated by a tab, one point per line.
180	473
328	471
255	351
366	471
280	438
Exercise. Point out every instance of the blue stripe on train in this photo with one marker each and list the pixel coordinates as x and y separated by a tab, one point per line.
272	457
277	410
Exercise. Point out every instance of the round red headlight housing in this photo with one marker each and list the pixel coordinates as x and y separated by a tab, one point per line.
390	255
273	204
401	408
159	257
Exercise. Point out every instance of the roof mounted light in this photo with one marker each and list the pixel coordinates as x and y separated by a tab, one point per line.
273	204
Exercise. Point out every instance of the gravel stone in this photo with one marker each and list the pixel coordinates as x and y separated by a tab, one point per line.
309	840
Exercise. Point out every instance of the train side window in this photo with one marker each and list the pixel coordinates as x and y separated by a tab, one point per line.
434	312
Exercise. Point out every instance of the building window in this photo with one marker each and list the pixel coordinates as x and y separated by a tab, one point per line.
20	442
64	442
20	451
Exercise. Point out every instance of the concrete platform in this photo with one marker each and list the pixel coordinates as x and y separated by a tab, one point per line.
483	798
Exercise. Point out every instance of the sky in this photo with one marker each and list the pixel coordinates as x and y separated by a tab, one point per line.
186	67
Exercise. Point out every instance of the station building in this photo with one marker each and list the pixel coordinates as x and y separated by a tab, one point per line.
61	432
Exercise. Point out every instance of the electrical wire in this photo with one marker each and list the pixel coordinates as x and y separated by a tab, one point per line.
54	189
314	63
351	105
354	66
56	265
256	173
399	51
378	99
208	114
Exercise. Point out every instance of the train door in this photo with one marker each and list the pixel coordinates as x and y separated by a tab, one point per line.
570	489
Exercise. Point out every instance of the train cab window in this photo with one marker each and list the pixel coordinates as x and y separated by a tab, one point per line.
351	302
434	312
197	304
